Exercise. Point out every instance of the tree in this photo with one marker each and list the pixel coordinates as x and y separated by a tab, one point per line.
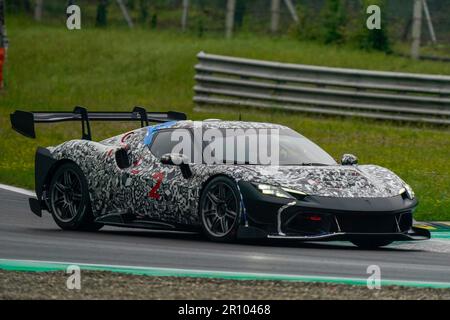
334	18
240	12
19	6
143	8
102	13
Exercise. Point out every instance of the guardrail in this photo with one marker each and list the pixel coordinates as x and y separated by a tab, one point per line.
223	80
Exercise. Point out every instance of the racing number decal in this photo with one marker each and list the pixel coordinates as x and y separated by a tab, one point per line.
159	177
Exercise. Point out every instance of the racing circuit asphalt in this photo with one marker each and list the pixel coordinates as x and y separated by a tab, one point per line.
26	236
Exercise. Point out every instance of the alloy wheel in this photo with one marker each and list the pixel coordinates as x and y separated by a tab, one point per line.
220	209
66	195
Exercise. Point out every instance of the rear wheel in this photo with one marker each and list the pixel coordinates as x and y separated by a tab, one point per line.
220	209
69	199
371	244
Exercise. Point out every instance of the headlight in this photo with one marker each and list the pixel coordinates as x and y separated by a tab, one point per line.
409	192
277	192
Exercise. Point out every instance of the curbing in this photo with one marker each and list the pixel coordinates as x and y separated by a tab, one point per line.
48	266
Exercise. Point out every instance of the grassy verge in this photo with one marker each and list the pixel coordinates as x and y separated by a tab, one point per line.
51	68
109	285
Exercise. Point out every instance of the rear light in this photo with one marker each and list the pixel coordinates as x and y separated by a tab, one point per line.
314	218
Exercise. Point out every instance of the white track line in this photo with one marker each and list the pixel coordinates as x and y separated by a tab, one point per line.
17	190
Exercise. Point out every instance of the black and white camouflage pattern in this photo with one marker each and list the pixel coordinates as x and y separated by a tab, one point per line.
115	190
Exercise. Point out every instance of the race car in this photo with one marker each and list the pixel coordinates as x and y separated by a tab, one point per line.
143	179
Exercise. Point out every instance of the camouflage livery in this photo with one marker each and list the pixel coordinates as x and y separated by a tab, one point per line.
150	189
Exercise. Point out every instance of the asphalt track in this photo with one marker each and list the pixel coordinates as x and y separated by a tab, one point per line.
24	236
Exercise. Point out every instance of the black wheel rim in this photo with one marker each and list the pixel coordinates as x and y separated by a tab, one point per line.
220	209
66	195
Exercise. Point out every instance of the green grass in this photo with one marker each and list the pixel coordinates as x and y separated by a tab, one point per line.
51	68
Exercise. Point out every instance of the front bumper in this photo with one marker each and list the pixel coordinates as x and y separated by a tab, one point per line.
313	218
414	234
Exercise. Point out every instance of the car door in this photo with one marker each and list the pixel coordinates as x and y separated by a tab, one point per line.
169	193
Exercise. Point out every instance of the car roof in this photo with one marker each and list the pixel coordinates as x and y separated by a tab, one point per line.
219	124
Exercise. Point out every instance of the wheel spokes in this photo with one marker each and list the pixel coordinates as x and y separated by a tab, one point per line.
213	224
212	197
67	195
229	200
64	210
59	202
72	209
229	213
77	196
75	185
211	212
222	192
60	187
67	179
220	209
222	225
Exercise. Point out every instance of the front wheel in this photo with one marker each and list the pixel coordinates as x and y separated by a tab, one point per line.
220	209
368	244
69	199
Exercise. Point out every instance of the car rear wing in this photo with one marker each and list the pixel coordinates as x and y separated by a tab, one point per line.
23	121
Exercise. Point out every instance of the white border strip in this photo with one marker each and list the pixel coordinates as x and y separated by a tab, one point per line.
217	273
17	190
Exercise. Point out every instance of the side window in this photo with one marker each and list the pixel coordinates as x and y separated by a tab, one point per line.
163	143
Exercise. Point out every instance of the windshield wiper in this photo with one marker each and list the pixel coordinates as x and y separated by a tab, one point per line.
313	164
293	164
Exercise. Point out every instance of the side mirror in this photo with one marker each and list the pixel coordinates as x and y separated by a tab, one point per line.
176	159
349	160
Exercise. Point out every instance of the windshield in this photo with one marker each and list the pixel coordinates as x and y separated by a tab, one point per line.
263	147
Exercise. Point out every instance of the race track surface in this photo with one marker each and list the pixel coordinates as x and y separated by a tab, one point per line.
25	236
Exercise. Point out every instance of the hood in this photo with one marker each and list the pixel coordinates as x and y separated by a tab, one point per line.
363	181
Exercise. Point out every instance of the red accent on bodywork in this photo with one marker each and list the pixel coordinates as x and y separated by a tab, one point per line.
137	162
159	176
125	136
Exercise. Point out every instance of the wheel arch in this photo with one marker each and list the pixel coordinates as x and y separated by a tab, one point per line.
210	178
46	179
221	174
55	167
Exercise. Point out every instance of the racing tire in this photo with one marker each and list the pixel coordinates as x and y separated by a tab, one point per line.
371	244
69	200
220	209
